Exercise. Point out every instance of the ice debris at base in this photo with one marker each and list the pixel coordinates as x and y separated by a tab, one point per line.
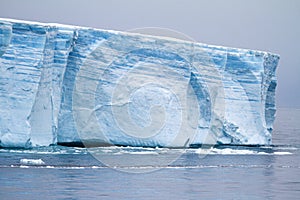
69	84
25	161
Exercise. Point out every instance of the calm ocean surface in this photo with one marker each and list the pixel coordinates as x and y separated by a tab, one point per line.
145	173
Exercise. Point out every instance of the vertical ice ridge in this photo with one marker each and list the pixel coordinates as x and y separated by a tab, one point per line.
5	36
44	114
65	118
40	116
268	89
64	44
21	64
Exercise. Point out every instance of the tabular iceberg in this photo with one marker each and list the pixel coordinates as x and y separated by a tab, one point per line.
66	84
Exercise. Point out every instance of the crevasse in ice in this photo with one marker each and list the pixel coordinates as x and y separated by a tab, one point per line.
68	84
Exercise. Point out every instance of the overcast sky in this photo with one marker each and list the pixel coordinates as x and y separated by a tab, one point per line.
270	25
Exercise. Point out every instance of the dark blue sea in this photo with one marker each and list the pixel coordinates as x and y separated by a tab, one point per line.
211	172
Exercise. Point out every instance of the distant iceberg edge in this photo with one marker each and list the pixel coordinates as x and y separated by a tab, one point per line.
78	86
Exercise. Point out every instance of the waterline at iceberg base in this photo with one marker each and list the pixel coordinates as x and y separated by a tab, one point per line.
64	84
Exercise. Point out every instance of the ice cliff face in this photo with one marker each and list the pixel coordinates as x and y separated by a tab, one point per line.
67	84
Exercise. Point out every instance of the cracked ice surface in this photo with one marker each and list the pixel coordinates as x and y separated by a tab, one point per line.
69	84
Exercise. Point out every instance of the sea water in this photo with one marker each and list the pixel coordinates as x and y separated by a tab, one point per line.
209	172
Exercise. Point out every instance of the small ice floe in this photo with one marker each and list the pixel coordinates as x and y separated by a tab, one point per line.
283	153
25	161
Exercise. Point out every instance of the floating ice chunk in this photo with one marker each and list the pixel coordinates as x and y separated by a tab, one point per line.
25	161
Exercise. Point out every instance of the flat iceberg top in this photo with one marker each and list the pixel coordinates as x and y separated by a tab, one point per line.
134	34
75	85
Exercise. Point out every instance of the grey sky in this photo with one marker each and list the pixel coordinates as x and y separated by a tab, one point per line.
270	25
